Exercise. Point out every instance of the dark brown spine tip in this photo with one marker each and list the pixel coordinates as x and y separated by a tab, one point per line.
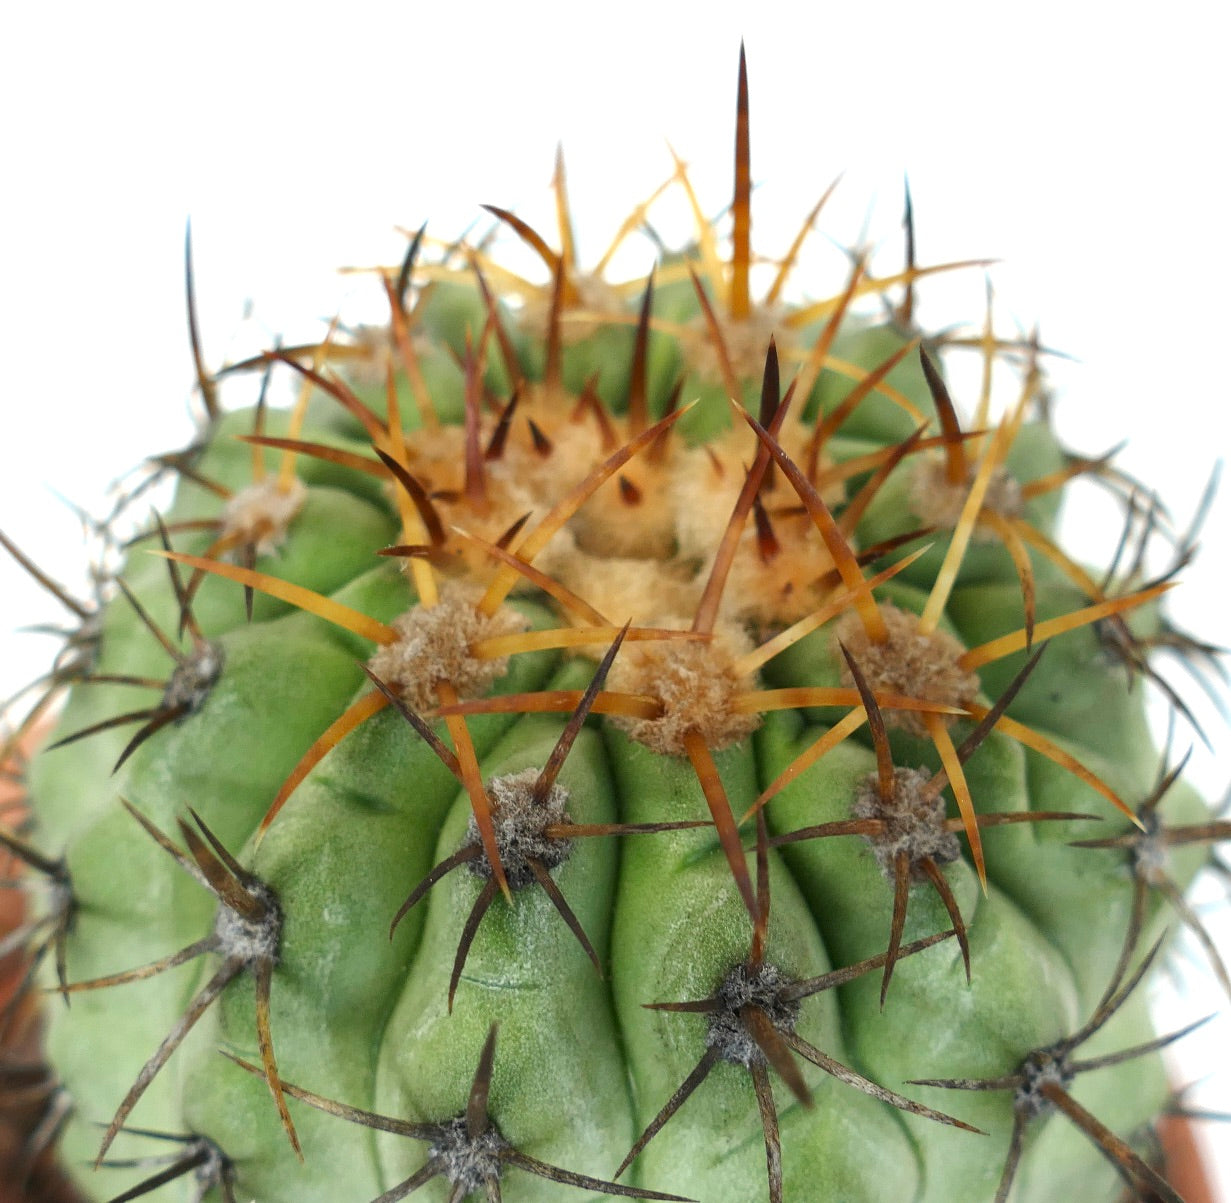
407	268
629	493
542	444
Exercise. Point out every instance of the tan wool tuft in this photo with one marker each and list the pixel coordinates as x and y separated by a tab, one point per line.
609	525
746	341
696	685
576	447
368	355
939	503
910	662
433	646
261	513
620	588
594	302
792	584
703	488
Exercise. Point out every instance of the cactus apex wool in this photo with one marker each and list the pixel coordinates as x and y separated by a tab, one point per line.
625	738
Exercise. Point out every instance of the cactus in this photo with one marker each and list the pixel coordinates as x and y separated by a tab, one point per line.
611	739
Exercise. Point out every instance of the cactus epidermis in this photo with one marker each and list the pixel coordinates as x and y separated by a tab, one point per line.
687	924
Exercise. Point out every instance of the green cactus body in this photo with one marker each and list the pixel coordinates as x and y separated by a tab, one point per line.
362	1016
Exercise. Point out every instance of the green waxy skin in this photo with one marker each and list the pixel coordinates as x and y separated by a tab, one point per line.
683	952
554	1039
1038	992
360	1014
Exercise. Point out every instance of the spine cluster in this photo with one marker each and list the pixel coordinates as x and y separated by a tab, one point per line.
609	721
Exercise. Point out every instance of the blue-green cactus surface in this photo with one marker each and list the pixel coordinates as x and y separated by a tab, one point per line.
739	559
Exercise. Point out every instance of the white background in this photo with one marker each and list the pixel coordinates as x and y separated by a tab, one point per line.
1081	145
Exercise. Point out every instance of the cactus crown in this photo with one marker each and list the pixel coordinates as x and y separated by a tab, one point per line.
632	587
